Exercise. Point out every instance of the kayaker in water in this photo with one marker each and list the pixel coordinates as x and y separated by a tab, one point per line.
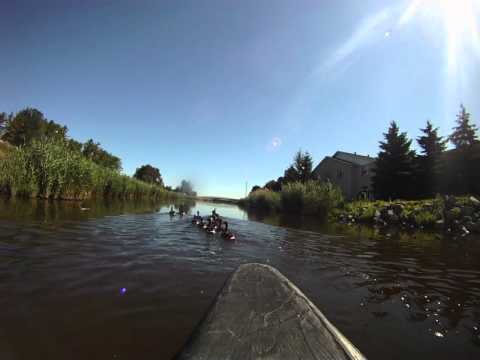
228	235
196	218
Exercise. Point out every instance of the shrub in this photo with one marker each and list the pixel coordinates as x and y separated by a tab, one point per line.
312	197
263	200
425	218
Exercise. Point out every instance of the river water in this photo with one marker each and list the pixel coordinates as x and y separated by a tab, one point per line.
129	282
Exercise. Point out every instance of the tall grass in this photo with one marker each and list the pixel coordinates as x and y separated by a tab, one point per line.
310	198
4	149
50	169
262	200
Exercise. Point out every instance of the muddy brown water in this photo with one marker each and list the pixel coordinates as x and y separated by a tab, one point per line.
123	281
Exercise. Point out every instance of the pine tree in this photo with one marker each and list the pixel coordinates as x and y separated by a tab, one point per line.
464	165
394	174
300	170
303	165
464	134
432	146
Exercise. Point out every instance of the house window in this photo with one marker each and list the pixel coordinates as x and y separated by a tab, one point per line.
364	172
339	174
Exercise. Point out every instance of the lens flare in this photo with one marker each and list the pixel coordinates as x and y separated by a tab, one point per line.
460	21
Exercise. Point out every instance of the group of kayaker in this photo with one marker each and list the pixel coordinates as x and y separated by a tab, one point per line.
214	224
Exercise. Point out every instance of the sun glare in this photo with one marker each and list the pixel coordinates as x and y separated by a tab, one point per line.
459	18
461	27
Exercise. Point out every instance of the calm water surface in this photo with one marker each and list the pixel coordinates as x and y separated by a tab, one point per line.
62	271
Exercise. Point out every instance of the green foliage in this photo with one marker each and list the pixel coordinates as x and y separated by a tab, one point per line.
462	165
4	149
93	151
262	200
464	134
49	168
311	197
303	165
423	213
394	172
149	174
273	185
29	125
300	170
363	211
425	219
429	164
431	143
255	188
290	175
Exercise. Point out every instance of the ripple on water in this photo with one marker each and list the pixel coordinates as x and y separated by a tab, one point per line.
72	273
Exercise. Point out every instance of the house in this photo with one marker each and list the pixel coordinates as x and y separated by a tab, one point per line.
351	172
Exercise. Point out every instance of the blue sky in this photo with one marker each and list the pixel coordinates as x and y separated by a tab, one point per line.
225	92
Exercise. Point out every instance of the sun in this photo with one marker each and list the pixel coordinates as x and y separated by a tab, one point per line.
461	27
460	21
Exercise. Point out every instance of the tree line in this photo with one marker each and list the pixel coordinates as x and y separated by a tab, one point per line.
30	125
151	174
301	170
401	173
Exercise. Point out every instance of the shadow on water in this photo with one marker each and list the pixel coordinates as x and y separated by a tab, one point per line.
63	269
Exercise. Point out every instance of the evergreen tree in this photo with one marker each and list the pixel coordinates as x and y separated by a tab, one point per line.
429	162
303	165
464	134
394	174
300	170
464	162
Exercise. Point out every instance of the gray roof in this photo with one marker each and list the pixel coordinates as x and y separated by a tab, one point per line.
354	158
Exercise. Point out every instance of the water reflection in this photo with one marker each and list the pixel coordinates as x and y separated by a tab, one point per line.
63	271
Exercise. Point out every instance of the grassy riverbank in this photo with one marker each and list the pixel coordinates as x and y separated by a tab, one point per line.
51	169
459	215
451	214
309	198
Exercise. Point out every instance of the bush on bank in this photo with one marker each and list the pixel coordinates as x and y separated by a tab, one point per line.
49	168
310	198
450	213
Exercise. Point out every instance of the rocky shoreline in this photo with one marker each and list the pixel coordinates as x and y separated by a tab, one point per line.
450	214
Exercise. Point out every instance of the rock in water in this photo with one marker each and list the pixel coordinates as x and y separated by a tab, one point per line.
474	201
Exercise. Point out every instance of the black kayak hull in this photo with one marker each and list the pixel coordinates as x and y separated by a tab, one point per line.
260	314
